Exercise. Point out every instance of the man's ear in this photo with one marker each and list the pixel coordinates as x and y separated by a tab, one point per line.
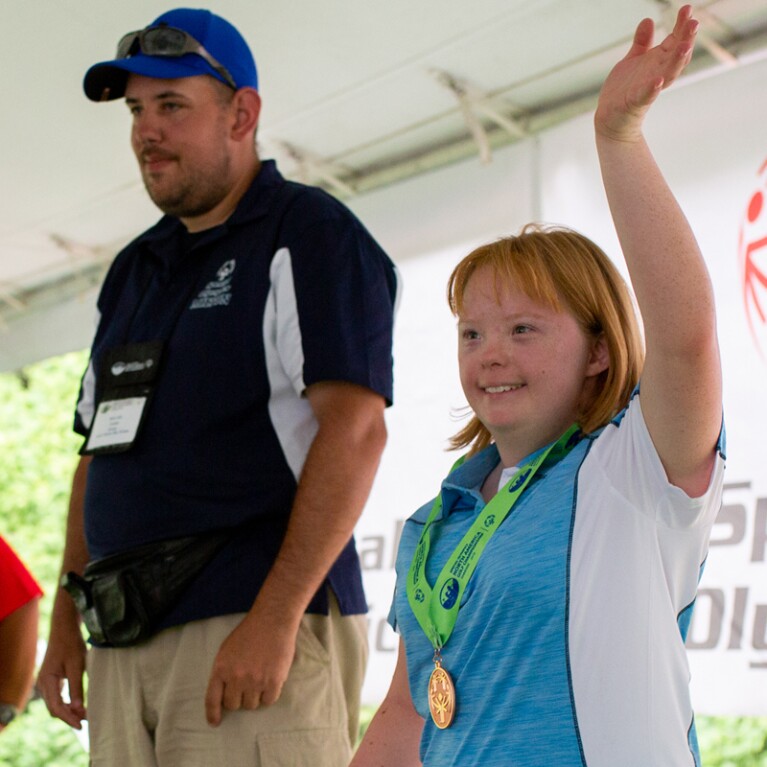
599	359
246	106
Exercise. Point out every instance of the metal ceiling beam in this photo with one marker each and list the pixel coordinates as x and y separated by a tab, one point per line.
83	266
708	23
8	296
462	145
314	169
45	295
473	100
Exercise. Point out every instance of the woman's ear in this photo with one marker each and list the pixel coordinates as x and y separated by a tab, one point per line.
599	358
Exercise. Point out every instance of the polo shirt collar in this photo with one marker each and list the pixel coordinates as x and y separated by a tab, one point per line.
259	196
254	204
461	489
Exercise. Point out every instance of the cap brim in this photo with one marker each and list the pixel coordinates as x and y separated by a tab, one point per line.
107	80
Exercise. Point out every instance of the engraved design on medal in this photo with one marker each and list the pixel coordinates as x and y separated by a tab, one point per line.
441	697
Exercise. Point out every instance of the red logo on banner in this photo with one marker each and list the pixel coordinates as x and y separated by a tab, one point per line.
752	247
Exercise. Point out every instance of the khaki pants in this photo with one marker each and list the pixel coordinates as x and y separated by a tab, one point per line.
146	704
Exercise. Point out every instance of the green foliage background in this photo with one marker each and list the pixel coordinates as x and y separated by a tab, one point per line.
38	452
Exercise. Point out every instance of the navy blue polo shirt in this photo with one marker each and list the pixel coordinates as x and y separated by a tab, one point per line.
289	291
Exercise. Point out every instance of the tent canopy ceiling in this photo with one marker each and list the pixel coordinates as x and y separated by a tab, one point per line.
356	95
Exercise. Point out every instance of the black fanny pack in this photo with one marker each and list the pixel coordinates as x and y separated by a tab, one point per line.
123	597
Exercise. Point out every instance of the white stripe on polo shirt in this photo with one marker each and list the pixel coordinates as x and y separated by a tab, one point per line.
293	422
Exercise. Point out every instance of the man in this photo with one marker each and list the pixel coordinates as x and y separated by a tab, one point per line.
232	408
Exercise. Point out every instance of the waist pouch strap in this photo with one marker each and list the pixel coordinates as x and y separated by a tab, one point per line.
122	597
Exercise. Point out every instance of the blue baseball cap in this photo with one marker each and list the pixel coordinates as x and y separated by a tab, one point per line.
220	40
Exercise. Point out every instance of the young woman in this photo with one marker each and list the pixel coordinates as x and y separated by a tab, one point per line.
543	598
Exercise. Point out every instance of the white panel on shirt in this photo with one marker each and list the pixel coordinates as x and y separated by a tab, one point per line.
290	413
638	544
86	407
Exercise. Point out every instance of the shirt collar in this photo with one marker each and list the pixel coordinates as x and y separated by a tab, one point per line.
254	204
461	488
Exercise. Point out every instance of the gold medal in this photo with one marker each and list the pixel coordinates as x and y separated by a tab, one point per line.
441	696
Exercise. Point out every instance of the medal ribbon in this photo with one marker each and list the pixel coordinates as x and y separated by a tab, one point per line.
437	609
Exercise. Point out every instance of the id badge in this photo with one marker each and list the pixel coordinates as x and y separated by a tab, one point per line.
129	374
116	423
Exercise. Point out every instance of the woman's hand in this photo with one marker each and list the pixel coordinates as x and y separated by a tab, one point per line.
636	80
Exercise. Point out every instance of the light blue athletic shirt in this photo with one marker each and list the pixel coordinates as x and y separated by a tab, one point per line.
567	650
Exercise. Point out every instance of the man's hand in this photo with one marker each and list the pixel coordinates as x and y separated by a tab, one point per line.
254	661
636	80
251	666
64	662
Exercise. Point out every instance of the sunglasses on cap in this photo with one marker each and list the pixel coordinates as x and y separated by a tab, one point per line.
168	41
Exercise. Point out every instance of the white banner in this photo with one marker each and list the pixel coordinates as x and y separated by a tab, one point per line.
727	643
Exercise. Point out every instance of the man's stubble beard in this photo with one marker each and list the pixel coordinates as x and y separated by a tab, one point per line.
196	194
